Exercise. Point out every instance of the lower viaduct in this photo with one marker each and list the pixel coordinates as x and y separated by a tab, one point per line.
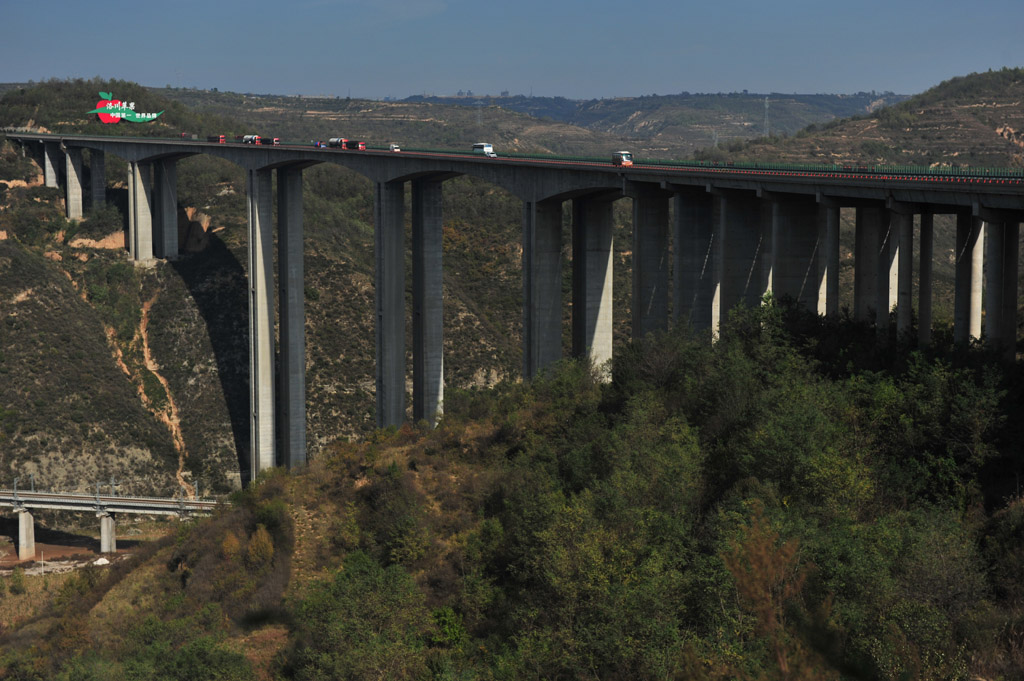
727	235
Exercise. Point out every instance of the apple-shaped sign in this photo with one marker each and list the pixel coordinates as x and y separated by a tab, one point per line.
105	117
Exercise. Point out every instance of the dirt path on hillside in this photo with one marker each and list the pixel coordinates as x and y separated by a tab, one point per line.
169	415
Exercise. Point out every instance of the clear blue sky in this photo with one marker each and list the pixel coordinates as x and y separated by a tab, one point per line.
572	48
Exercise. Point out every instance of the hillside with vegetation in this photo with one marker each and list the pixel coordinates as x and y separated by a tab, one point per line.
797	501
790	503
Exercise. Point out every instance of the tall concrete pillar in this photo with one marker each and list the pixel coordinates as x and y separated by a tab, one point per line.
970	242
108	535
427	301
389	207
828	258
542	285
26	535
650	263
697	276
261	322
903	231
795	251
73	187
1008	316
165	213
98	177
994	234
51	161
924	304
140	211
1001	270
867	240
745	236
291	380
592	279
888	271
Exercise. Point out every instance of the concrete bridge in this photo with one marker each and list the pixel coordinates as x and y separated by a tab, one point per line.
104	505
732	234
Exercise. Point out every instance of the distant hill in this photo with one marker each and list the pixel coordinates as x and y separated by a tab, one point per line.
660	126
973	120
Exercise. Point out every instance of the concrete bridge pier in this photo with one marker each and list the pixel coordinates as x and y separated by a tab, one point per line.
650	261
98	177
901	264
140	211
26	535
697	273
261	321
828	257
794	250
592	278
165	208
542	285
924	278
866	262
970	241
1001	269
389	208
108	537
427	301
746	237
73	185
51	160
291	379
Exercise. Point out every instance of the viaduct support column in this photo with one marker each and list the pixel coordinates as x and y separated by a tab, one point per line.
26	535
902	233
165	180
108	537
697	273
867	246
795	251
746	235
73	188
542	285
828	258
98	177
51	159
592	279
924	304
650	263
389	207
427	302
970	241
291	379
140	212
994	234
888	271
261	322
1011	248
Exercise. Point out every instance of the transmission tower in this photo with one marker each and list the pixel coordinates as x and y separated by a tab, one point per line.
766	116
